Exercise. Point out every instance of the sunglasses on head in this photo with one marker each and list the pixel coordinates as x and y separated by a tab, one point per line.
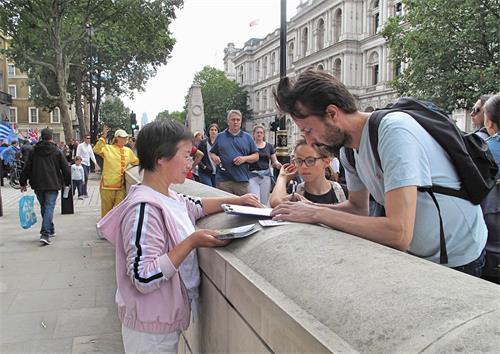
476	110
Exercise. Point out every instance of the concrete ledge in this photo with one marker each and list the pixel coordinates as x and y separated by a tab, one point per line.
307	288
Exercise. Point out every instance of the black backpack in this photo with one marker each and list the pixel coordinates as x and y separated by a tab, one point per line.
469	154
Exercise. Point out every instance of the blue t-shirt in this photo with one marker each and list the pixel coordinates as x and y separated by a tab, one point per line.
228	146
411	157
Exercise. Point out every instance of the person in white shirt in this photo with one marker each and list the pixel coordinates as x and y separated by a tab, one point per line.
84	150
77	177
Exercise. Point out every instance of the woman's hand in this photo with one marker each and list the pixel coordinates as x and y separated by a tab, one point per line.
250	199
288	171
206	238
295	197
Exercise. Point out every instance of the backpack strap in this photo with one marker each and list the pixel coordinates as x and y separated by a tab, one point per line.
373	125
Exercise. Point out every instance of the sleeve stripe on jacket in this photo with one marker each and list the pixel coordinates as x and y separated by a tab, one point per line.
192	200
139	249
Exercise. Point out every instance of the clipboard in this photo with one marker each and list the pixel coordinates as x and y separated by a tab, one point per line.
246	210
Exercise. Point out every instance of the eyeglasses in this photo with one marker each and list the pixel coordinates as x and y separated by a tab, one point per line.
87	137
308	161
475	110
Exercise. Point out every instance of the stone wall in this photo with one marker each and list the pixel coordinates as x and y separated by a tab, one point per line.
307	288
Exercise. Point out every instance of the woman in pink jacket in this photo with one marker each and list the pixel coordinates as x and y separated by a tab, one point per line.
153	231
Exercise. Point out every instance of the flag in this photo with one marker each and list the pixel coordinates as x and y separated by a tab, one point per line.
5	131
33	135
254	22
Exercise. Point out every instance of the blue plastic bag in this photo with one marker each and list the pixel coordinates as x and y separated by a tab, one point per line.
27	216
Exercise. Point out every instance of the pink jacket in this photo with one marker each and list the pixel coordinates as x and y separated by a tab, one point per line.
151	296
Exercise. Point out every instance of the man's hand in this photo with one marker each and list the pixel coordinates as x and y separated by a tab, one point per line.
250	199
296	197
215	159
104	133
239	160
296	211
24	189
206	238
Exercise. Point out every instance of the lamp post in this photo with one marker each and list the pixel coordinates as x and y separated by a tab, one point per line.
281	134
93	127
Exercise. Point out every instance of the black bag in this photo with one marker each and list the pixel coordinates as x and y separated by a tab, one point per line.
469	154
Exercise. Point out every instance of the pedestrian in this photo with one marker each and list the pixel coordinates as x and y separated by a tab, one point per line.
491	204
233	152
198	137
117	157
477	117
260	171
313	165
77	177
325	111
207	167
153	231
26	149
84	150
47	171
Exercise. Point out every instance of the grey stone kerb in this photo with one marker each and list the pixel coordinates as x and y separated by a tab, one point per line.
333	292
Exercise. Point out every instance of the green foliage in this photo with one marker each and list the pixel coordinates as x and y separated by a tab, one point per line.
115	115
220	95
452	49
175	115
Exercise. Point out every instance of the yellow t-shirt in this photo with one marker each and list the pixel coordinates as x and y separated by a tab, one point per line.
116	161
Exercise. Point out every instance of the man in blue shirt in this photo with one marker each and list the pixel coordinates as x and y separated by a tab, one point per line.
326	113
232	153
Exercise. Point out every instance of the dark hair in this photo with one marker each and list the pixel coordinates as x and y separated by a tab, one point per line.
46	134
159	139
492	109
312	93
213	125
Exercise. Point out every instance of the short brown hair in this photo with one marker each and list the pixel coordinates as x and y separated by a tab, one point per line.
314	90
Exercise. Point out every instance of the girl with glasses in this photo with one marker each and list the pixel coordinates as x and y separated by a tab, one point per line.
312	164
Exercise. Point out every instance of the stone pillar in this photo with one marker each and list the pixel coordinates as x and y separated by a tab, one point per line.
195	119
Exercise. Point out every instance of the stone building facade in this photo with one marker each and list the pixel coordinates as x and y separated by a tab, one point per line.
20	111
339	36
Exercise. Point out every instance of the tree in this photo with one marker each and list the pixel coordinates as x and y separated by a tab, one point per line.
220	95
175	115
451	49
115	115
49	42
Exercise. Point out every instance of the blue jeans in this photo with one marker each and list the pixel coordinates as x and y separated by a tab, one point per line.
86	170
208	179
78	185
474	268
47	200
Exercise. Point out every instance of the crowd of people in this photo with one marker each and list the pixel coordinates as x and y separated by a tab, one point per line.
153	227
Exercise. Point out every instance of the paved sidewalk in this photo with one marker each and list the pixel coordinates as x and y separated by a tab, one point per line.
57	298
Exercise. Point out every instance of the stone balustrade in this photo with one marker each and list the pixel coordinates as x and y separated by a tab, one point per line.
309	289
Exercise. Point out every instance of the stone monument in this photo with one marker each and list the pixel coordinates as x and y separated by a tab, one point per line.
195	119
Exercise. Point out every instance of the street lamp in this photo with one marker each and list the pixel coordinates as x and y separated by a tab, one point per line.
93	127
281	134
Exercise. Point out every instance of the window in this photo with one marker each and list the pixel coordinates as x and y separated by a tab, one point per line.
33	114
305	33
13	91
264	67
398	9
375	74
240	69
264	99
11	70
55	115
291	48
376	22
321	34
397	70
257	70
337	26
273	63
374	18
13	114
373	66
320	67
337	69
56	137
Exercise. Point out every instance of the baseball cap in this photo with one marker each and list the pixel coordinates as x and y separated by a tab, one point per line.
121	133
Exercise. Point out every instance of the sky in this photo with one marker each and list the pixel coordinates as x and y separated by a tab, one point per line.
202	29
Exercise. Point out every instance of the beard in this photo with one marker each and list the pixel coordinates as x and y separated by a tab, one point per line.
334	138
